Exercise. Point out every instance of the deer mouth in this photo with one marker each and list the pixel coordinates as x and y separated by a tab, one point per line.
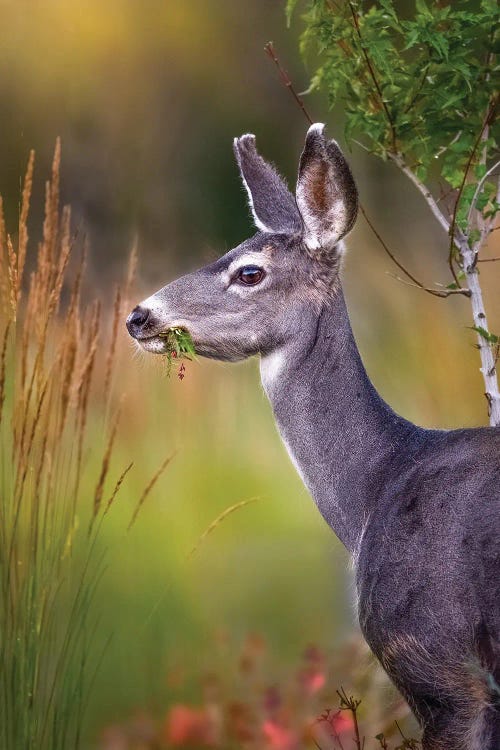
175	342
155	344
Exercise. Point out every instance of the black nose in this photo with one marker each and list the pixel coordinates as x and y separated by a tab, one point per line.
137	320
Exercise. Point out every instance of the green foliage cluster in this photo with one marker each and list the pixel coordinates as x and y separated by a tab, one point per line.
178	345
420	85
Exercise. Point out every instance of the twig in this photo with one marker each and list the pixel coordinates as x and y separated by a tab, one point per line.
478	189
444	194
431	201
374	77
408	743
418	89
382	741
496	357
349	703
327	718
443	149
488	260
453	224
435	292
269	48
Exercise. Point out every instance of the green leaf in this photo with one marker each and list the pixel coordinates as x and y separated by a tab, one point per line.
289	9
491	338
480	171
178	345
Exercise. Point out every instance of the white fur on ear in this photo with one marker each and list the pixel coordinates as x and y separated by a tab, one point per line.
316	235
258	223
316	127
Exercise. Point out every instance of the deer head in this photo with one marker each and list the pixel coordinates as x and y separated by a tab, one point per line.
257	295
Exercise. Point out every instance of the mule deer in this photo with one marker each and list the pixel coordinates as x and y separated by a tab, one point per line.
418	509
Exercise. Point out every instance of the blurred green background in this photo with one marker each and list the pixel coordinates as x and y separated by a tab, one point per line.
147	97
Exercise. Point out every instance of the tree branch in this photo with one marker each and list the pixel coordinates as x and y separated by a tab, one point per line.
453	225
416	283
437	293
488	362
431	202
423	189
479	187
269	48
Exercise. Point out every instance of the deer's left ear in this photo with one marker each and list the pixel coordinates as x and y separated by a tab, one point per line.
271	203
326	193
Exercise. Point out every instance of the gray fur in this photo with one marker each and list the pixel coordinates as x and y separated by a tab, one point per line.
272	205
418	509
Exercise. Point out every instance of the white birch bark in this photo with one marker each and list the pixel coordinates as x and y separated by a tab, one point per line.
469	257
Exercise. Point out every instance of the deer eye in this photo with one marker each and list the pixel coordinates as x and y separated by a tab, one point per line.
250	275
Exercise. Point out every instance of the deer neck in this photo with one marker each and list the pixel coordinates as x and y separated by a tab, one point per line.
342	437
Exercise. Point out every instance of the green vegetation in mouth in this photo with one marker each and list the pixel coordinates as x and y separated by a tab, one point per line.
178	346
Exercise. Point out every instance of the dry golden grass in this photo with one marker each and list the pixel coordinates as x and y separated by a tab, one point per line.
50	346
60	421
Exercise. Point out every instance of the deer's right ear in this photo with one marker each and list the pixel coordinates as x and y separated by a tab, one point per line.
327	197
272	205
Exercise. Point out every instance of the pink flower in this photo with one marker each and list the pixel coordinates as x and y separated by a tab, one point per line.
312	680
333	725
342	722
190	726
278	737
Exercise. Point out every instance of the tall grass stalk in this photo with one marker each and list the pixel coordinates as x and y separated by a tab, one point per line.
50	559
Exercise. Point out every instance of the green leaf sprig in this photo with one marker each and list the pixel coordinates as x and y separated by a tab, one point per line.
178	346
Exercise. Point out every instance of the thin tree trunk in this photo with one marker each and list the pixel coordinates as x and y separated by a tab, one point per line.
485	347
488	363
